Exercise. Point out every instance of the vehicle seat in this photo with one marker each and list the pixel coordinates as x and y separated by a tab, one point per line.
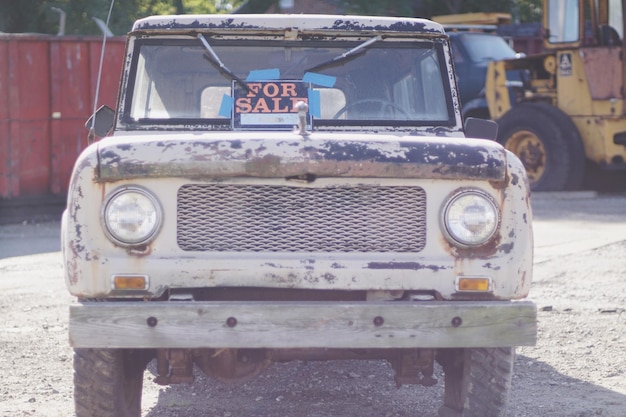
609	36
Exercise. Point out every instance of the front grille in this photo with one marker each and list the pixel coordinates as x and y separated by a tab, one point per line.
258	218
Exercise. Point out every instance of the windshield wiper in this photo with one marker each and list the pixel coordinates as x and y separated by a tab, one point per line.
217	62
347	54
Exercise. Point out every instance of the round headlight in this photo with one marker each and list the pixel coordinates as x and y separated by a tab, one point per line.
471	218
132	216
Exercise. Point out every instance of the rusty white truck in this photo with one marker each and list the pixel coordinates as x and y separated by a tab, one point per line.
294	187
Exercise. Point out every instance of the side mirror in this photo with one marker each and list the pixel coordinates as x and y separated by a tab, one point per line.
104	119
481	128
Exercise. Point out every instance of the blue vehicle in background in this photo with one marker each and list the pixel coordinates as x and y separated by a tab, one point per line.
472	51
475	42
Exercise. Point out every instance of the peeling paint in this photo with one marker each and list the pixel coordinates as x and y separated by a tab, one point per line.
347	155
506	248
416	266
489	265
330	278
289	278
269	22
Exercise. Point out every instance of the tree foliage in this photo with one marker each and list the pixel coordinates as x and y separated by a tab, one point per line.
42	16
521	10
527	10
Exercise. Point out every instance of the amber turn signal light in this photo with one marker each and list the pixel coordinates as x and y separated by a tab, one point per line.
481	284
130	282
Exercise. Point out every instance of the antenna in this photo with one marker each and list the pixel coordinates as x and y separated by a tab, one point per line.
92	130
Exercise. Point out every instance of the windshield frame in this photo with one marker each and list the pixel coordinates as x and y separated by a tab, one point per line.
562	20
438	44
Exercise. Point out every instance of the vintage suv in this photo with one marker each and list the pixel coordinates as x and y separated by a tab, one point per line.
294	187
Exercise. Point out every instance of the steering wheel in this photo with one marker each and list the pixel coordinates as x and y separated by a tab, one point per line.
384	106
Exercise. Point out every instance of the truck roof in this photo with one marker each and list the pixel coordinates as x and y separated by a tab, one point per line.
337	23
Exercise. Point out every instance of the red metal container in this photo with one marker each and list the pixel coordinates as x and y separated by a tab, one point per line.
47	89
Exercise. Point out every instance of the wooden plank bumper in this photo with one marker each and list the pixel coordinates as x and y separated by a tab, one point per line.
193	324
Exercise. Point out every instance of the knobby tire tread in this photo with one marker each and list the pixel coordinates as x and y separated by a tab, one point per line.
478	382
101	384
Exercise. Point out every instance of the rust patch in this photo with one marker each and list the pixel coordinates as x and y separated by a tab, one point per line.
474	296
523	279
501	185
71	265
268	165
139	251
484	252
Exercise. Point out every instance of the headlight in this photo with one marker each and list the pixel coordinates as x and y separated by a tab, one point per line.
131	216
470	218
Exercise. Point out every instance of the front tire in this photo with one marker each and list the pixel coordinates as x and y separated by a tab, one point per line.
109	382
477	381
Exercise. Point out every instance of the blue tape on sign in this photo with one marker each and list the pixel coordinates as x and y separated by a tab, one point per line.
319	79
227	106
314	103
263	75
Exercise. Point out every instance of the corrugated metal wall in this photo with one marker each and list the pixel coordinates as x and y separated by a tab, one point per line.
47	89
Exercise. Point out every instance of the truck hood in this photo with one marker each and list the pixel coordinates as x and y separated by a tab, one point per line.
285	154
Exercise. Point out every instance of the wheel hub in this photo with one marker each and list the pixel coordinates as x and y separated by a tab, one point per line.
530	150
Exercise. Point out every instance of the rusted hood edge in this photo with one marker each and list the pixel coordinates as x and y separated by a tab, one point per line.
289	155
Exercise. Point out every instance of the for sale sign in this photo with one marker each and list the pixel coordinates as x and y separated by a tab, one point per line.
268	104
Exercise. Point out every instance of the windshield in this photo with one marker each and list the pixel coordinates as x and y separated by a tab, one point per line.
562	18
256	84
484	47
615	16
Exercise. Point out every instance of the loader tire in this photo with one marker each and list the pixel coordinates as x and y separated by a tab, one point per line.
548	144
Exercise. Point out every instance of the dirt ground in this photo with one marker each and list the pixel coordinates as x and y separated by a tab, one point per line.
577	369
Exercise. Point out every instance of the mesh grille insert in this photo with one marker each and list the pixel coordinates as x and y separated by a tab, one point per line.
256	218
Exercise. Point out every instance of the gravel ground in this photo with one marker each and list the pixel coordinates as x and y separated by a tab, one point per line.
577	369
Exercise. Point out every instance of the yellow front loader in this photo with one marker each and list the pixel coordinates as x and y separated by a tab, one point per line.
569	112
